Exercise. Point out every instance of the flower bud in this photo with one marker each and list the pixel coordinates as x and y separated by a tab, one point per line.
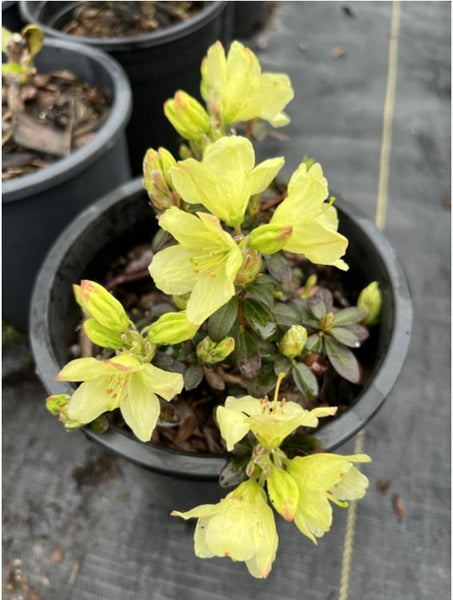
187	116
251	266
55	403
210	352
293	342
172	328
156	180
58	406
101	305
283	492
370	302
269	238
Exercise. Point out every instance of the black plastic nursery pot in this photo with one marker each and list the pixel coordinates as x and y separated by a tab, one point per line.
37	207
122	218
157	63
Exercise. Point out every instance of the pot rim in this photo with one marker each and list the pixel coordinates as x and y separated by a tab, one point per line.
105	137
208	466
165	35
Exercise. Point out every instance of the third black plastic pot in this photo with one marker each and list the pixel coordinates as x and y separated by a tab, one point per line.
37	206
157	64
123	217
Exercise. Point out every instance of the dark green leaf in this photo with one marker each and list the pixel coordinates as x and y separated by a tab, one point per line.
193	376
347	316
345	336
233	472
305	381
246	354
259	317
302	444
302	308
320	303
262	292
282	364
313	344
221	322
285	315
342	360
263	382
278	267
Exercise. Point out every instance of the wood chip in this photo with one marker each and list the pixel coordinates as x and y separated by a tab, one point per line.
383	485
30	133
349	10
337	52
57	554
398	507
74	572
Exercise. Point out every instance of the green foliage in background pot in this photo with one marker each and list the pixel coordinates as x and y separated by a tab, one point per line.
228	256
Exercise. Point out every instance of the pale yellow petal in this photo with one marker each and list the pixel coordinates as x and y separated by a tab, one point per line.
140	408
91	400
165	384
172	271
233	425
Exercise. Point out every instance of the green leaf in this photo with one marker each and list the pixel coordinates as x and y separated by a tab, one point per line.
302	309
313	344
259	317
282	364
305	381
347	316
342	360
263	382
263	289
278	267
12	69
285	315
233	472
221	322
193	377
301	444
345	336
246	354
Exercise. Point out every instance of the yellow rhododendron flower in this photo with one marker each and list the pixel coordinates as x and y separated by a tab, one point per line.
320	478
314	223
241	526
235	89
225	179
204	262
122	381
270	421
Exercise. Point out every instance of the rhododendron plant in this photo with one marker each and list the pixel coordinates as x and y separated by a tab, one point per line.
239	309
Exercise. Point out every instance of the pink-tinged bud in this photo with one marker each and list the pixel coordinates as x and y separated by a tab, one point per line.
187	116
251	265
283	492
210	352
156	179
269	238
102	306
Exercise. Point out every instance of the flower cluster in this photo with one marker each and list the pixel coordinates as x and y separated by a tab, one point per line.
244	312
301	489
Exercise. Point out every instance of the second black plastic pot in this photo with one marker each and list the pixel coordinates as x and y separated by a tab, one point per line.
157	64
122	218
37	206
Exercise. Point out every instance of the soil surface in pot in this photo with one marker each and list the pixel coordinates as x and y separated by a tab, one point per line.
187	423
59	114
125	19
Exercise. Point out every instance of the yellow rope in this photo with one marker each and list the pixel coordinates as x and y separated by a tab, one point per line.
380	218
389	107
350	530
